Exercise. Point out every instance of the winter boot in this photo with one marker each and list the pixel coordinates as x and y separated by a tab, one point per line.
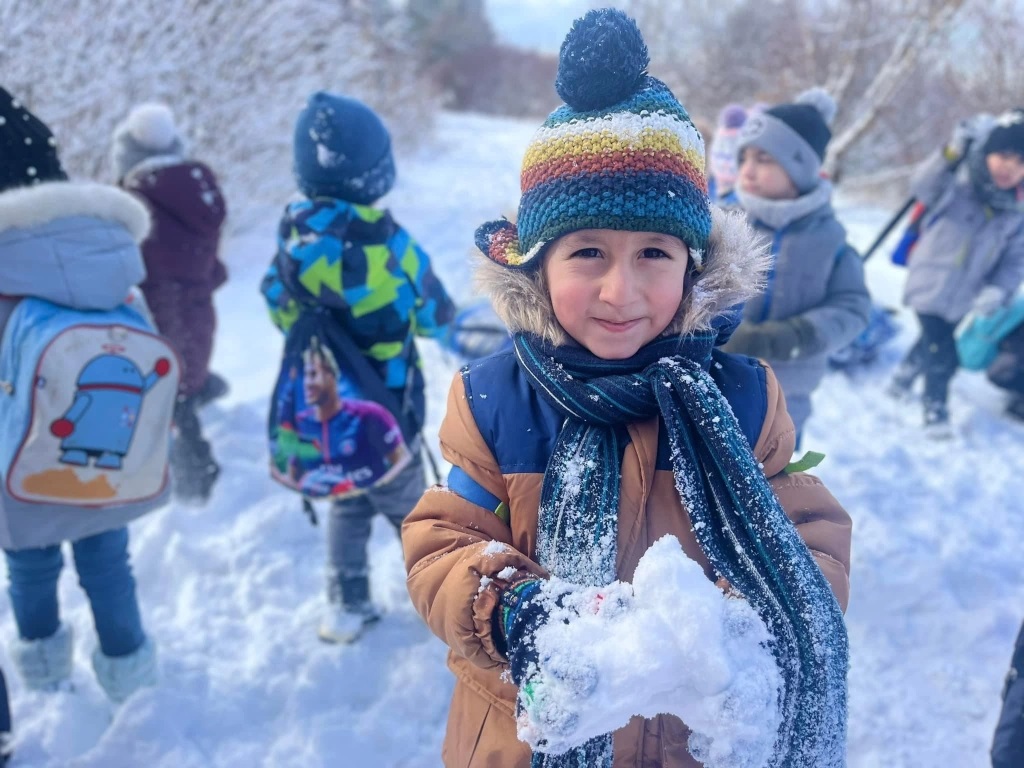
121	676
193	470
901	385
213	388
349	610
43	664
936	421
343	623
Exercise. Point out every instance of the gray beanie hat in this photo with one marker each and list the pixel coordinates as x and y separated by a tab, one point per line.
148	131
796	135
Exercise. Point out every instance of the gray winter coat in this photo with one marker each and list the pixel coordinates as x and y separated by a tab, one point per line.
965	244
815	275
73	244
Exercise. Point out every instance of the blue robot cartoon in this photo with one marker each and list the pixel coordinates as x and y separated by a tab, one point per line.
101	421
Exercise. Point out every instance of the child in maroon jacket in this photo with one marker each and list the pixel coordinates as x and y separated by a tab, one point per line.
183	270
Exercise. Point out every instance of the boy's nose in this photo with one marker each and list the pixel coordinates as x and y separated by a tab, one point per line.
619	286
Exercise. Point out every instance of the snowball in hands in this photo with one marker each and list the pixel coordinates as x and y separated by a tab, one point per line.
670	643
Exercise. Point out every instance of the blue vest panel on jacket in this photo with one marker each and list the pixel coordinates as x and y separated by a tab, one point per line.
520	428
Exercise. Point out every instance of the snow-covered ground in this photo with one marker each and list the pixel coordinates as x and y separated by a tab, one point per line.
231	592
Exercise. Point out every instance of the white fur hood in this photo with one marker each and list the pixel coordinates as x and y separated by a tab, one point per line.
71	243
737	262
27	207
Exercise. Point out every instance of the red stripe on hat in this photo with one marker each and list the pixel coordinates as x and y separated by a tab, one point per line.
612	163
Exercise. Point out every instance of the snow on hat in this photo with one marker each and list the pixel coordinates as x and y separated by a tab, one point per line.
342	149
1008	134
621	153
148	131
28	151
795	134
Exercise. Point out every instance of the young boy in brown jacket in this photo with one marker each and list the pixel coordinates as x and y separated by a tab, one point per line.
615	423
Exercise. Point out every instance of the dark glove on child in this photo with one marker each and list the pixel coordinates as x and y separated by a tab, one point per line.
523	610
776	339
518	616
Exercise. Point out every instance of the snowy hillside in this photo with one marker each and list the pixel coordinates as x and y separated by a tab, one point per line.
231	592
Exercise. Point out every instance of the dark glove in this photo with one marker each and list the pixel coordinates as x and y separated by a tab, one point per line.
523	610
519	614
776	339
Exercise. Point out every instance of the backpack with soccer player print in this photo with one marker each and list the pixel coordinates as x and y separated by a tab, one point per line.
335	430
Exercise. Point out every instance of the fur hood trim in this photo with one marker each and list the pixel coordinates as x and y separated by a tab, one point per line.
737	262
26	207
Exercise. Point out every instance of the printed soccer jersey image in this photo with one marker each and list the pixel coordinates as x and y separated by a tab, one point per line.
329	441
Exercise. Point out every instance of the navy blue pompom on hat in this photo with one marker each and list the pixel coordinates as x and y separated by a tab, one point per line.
28	151
621	154
342	149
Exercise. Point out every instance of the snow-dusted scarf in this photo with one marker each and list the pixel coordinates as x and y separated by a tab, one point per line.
737	520
776	214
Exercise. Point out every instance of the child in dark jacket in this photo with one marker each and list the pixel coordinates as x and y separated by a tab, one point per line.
1008	743
815	300
182	271
616	444
74	245
969	257
338	254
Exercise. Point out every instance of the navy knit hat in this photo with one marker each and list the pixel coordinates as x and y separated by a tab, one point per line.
1008	134
796	135
342	150
621	154
28	151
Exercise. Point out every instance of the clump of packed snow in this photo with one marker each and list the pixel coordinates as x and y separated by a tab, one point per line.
669	643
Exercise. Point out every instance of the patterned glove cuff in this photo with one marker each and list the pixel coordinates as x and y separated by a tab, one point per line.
513	598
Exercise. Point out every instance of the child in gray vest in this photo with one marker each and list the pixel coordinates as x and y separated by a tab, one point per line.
969	258
815	301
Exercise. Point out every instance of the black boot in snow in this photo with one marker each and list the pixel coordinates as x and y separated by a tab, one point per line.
936	421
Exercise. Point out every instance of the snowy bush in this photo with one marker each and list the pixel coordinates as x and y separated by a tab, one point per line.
236	74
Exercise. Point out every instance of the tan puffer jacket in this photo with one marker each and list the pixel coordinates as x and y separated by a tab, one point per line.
450	543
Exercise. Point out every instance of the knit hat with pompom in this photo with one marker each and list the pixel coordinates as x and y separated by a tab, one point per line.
622	153
148	131
796	135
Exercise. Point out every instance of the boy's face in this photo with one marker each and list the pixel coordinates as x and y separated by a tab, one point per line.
319	385
760	175
615	291
1005	168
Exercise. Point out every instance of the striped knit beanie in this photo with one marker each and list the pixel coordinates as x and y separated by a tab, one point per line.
621	153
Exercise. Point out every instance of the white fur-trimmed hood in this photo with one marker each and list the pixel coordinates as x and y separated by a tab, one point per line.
27	207
737	262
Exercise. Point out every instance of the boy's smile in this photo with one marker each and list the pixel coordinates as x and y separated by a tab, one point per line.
615	291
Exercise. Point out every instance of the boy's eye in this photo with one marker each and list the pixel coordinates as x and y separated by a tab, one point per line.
655	253
587	253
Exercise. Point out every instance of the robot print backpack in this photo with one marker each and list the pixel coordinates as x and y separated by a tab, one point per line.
86	402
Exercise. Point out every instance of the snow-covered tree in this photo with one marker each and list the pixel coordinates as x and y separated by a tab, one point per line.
235	73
